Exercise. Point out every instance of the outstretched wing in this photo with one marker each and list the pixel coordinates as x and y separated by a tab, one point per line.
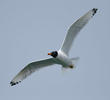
30	68
75	28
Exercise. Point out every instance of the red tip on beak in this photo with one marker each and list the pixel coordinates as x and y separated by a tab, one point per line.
49	53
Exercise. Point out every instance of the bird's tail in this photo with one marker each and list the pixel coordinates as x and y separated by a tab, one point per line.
75	61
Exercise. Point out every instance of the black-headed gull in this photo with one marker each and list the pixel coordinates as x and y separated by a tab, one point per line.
58	57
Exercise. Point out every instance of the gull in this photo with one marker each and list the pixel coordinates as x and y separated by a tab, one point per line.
60	57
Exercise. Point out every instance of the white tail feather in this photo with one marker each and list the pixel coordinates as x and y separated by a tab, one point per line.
74	61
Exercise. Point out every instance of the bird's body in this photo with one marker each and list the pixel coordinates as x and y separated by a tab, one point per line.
64	59
59	57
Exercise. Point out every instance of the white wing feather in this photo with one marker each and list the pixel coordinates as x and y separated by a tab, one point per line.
30	68
74	30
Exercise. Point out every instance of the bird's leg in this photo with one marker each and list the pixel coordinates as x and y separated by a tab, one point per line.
71	66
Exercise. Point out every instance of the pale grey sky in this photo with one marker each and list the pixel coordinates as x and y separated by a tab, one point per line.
29	29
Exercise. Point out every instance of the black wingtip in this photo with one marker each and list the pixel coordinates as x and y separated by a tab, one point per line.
14	83
94	11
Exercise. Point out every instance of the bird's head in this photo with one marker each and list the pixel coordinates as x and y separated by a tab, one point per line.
53	54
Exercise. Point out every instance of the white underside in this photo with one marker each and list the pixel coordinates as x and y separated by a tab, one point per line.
64	60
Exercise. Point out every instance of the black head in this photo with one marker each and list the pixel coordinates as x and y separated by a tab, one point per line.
53	54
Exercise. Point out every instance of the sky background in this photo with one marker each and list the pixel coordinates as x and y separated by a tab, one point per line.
29	29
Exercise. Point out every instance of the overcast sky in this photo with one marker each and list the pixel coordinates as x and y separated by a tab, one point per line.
29	29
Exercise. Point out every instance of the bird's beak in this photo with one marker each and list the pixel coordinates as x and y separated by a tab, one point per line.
49	53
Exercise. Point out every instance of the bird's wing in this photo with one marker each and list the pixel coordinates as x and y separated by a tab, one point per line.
75	28
30	68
